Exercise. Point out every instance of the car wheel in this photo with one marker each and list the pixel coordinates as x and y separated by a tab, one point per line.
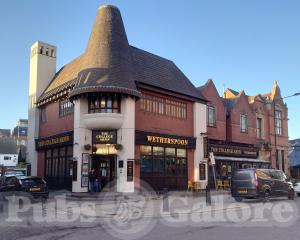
266	196
238	199
291	194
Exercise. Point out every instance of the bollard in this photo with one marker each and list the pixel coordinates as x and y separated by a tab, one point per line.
207	194
166	206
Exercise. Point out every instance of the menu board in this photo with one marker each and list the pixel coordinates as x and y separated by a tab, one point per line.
85	170
202	171
129	171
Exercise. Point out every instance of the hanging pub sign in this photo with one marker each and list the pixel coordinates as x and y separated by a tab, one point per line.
105	137
54	141
156	139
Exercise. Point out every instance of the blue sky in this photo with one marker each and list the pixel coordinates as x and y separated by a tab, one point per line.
239	44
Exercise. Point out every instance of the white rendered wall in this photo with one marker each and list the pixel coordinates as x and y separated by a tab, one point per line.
9	163
82	136
126	136
199	127
42	70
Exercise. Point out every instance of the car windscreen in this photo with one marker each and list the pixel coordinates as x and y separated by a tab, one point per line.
32	181
242	175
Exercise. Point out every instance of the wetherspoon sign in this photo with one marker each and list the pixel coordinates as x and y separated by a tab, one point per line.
157	139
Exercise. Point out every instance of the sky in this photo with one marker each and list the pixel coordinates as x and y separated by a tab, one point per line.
240	44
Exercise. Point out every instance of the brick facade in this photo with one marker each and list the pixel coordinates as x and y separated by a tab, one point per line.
233	104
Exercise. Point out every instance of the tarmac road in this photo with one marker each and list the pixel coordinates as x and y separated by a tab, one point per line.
178	218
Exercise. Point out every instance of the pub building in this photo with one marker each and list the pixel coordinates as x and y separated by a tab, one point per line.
129	114
230	156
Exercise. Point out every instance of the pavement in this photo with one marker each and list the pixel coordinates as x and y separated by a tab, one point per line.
111	196
149	216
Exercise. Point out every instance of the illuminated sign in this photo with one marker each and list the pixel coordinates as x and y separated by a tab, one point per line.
235	151
104	137
172	141
157	139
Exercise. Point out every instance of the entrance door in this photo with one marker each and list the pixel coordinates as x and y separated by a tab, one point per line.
105	167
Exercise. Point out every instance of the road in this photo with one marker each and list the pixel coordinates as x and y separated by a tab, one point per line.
176	218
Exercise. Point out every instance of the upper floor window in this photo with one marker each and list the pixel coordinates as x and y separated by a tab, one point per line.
259	129
43	115
162	106
65	108
105	104
7	158
243	123
278	122
211	116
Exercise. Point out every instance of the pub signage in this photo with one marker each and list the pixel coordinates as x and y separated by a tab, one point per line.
234	151
54	141
105	137
147	138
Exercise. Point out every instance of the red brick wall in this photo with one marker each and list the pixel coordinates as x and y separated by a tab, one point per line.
146	121
41	163
242	106
151	122
54	124
212	95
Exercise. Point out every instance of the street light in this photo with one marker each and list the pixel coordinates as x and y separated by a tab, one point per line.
275	133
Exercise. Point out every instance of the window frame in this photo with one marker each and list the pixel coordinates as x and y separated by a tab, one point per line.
214	122
95	103
243	116
163	106
65	108
278	123
259	128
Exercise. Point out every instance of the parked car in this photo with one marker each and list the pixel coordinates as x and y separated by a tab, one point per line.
35	186
297	188
260	183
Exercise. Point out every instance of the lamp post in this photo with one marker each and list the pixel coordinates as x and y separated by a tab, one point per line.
275	132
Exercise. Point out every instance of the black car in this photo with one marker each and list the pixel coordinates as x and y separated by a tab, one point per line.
260	183
35	186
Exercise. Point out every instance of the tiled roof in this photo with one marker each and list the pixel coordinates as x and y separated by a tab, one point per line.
110	64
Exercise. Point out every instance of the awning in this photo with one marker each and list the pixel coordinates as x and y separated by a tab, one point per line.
240	159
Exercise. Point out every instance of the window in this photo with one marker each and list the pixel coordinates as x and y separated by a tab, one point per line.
41	49
211	116
65	108
47	51
105	104
43	114
163	161
7	158
243	123
52	53
278	122
259	128
58	162
162	106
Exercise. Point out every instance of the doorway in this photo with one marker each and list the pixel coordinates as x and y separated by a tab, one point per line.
105	168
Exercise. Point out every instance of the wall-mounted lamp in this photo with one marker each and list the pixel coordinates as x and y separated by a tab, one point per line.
204	134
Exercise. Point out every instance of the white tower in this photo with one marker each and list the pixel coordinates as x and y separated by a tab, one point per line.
42	70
